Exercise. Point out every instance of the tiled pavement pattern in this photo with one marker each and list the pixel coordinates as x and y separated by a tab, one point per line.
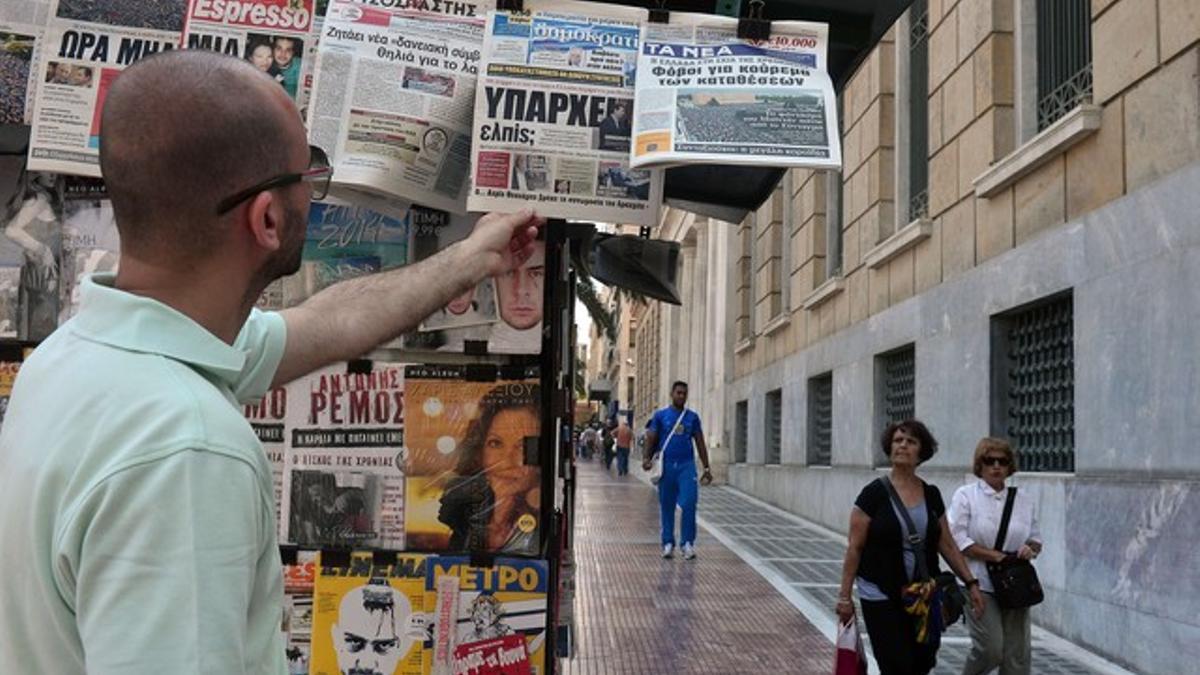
638	613
810	561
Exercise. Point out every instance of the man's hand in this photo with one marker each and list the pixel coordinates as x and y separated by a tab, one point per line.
501	242
647	464
706	477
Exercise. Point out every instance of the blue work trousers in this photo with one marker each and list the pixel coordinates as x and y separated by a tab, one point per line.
678	486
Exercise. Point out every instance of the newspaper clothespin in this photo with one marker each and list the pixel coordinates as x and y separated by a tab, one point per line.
644	232
335	557
531	451
383	558
289	553
479	372
475	347
359	367
660	13
510	6
482	559
514	371
753	26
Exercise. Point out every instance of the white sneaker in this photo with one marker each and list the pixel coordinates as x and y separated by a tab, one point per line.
668	551
689	553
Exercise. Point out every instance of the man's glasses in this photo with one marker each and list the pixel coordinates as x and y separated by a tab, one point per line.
319	173
995	461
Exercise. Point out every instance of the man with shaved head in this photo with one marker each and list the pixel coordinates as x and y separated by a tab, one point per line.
136	505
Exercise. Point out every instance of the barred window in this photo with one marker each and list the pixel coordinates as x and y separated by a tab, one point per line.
918	110
1064	58
774	418
740	431
745	281
1034	400
820	420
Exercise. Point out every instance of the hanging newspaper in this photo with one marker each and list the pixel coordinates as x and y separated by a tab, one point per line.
552	115
343	483
19	44
343	242
392	97
270	34
504	311
704	96
88	43
267	417
90	244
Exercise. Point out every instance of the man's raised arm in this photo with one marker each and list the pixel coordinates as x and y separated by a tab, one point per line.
354	316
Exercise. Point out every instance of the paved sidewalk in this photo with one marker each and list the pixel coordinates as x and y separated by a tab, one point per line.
804	562
759	597
638	613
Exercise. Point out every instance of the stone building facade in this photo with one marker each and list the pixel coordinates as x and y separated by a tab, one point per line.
1011	249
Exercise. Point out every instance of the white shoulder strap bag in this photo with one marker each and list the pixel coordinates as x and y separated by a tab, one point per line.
656	468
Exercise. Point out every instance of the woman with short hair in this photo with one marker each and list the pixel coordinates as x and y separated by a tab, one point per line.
1001	637
882	556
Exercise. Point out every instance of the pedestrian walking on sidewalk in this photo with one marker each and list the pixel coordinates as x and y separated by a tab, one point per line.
893	554
672	432
1002	636
624	443
608	444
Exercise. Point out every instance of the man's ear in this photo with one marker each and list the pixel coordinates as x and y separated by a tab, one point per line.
264	218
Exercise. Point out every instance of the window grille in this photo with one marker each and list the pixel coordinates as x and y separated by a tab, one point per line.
740	429
820	420
899	385
1040	381
1064	58
774	427
833	212
918	110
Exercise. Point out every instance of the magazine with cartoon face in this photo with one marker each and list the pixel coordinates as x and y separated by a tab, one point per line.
370	618
500	615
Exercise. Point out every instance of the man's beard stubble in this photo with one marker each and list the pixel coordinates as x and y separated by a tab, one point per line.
286	261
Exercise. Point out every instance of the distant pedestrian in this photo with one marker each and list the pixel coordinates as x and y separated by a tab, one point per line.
608	444
1002	636
588	439
624	443
892	556
672	431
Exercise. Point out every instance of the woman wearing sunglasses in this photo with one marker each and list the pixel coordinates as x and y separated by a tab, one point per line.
1001	637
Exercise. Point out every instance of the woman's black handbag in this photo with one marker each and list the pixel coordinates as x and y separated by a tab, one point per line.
1014	580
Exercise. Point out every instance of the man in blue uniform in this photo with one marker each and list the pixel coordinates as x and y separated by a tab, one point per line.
672	431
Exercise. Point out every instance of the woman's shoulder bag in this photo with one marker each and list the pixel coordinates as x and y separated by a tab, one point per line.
927	594
1014	580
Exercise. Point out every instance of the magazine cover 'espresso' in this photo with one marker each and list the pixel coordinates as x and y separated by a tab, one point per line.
472	474
369	618
343	480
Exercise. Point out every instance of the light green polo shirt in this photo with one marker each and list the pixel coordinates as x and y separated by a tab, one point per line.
137	532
